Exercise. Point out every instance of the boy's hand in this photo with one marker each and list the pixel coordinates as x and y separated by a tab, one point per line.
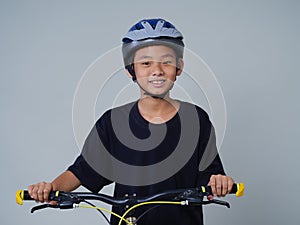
221	185
40	191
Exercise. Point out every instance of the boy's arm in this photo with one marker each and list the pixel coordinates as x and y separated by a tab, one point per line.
67	181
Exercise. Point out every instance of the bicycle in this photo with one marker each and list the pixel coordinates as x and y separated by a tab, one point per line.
183	197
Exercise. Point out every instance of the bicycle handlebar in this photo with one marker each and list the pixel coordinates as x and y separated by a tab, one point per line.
191	196
66	199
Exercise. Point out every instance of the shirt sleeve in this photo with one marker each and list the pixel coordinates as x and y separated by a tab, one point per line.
84	169
210	162
215	167
88	177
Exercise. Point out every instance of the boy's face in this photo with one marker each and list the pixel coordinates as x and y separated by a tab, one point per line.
155	68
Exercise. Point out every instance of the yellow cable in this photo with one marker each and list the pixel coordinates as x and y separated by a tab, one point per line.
147	203
105	210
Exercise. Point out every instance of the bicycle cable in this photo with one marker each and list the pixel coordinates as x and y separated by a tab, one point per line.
148	203
105	210
148	210
99	209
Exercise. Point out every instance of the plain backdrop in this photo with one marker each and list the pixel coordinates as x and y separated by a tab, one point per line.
251	46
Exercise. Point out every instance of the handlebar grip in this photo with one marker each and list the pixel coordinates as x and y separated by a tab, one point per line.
26	196
237	189
22	195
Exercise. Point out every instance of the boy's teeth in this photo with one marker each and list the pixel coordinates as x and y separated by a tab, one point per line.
156	81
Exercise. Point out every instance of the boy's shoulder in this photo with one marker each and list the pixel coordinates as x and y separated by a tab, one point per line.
191	106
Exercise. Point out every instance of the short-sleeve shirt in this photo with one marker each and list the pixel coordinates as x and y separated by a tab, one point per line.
144	158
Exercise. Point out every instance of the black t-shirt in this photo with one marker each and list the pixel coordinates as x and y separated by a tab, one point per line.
144	158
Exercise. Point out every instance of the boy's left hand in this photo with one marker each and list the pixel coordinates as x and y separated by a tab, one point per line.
221	185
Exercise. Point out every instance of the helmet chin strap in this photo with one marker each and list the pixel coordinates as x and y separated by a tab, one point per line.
161	96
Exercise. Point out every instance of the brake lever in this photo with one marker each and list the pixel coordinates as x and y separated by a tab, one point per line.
215	201
43	206
61	205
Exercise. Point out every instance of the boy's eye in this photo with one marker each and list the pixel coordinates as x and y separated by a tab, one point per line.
146	63
149	63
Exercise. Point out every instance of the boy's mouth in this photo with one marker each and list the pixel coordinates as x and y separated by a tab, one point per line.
157	82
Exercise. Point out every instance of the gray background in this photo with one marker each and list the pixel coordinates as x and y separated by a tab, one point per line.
252	47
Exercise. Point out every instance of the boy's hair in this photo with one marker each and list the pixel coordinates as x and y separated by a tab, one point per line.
150	32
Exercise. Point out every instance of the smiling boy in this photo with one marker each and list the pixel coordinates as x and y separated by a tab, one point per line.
153	58
156	69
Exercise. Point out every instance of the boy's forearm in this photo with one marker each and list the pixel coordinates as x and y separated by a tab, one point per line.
67	181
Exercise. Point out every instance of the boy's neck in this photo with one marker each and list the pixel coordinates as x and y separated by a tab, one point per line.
157	110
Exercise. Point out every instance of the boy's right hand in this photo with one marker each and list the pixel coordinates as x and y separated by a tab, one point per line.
40	191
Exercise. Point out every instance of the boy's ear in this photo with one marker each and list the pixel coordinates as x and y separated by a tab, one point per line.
180	65
128	74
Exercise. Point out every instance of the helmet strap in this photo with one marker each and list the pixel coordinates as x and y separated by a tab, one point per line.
131	71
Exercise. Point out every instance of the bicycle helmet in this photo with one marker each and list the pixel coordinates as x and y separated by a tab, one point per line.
150	32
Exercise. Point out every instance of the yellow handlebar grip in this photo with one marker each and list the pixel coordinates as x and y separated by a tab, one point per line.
240	189
19	197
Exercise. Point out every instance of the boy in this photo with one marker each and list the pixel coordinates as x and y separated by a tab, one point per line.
154	144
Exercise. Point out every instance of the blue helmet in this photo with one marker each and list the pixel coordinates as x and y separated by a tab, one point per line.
150	32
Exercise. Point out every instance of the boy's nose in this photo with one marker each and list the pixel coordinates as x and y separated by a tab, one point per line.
157	69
